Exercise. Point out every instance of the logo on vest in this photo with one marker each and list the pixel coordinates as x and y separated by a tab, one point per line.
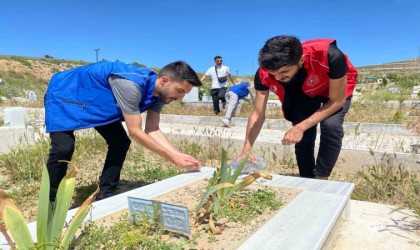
312	80
274	88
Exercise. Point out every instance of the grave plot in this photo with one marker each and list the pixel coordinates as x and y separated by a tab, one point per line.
234	232
310	206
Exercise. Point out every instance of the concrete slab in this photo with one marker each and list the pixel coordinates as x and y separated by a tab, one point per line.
305	223
377	226
356	148
15	116
12	136
321	186
359	127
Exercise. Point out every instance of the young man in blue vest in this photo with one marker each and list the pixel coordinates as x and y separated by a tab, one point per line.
233	96
101	96
314	81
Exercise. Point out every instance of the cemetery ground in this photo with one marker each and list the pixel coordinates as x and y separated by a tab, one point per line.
385	203
381	182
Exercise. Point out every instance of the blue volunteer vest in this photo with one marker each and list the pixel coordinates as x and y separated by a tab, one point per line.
82	97
240	89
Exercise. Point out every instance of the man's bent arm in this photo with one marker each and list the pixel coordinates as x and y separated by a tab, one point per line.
153	130
255	120
133	123
337	97
135	132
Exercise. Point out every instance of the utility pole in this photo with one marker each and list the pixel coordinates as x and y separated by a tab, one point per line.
97	50
237	72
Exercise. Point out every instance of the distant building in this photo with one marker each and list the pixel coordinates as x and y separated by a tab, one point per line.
394	90
370	78
416	92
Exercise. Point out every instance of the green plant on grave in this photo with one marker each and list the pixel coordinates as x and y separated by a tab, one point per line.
50	221
220	189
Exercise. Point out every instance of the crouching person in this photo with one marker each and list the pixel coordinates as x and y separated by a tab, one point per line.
101	96
234	95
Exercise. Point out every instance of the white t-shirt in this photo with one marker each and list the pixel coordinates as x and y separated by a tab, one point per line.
221	71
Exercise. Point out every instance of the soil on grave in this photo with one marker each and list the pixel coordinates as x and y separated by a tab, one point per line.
234	233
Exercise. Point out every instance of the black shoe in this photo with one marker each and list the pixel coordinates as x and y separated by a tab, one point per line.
101	196
217	112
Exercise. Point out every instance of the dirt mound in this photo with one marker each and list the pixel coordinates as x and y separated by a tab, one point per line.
41	69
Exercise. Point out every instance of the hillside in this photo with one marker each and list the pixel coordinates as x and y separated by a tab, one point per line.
23	74
42	69
20	75
403	68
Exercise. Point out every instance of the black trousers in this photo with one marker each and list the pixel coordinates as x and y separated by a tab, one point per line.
330	143
62	148
216	95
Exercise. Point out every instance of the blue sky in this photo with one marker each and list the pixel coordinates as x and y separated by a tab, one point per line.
157	32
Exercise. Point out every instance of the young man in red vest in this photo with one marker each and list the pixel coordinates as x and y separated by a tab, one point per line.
314	81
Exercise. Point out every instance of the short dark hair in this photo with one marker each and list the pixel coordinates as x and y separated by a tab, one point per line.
217	57
280	51
180	71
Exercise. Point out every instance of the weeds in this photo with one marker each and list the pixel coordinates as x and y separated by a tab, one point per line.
24	163
221	187
388	183
149	172
22	61
50	220
126	235
248	205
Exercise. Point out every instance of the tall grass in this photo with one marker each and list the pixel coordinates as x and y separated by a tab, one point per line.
24	163
16	84
22	60
388	183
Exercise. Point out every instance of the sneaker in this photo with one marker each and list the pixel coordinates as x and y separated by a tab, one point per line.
226	122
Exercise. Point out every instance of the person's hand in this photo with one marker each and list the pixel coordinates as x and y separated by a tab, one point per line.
186	161
292	136
250	155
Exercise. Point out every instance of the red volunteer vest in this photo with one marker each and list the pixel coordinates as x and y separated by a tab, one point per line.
316	64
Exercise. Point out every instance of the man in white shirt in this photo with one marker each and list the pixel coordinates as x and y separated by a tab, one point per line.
219	75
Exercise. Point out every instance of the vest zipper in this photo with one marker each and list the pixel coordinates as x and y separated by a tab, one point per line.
73	102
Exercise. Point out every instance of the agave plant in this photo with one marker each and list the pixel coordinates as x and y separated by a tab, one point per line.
50	221
221	187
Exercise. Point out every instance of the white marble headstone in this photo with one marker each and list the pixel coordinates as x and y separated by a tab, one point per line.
15	116
192	96
31	96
